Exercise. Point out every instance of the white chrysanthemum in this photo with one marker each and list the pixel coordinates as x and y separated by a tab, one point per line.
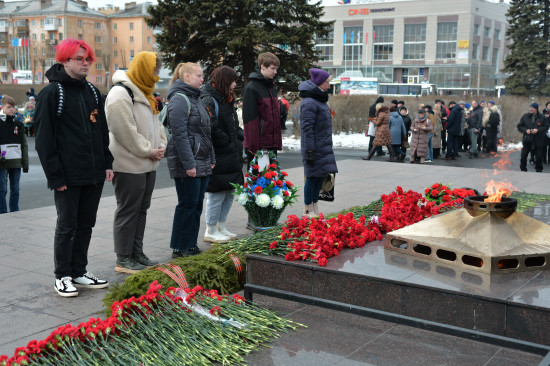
277	201
243	198
263	200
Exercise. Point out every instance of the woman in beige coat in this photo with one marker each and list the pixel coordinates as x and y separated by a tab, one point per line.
382	136
137	142
420	128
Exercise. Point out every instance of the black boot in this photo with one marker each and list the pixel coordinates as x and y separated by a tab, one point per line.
392	154
368	157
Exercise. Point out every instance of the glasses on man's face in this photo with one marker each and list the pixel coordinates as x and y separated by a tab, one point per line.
80	60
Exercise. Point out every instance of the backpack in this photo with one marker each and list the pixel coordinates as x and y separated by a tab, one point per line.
61	97
163	115
216	107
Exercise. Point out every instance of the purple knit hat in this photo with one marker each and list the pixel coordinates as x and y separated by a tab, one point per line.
318	76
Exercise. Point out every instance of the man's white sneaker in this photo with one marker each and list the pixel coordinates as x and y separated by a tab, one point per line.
65	288
88	280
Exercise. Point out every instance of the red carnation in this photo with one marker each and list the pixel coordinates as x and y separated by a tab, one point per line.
256	167
285	174
286	194
289	184
258	190
273	245
322	262
273	166
279	183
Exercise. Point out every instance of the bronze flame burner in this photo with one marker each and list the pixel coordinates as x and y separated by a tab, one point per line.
476	206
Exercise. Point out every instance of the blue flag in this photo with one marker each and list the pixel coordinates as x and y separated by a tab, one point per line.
14	42
345	34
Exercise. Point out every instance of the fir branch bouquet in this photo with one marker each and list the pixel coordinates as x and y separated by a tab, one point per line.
266	192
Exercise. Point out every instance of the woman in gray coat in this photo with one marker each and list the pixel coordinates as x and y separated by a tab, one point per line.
316	136
190	155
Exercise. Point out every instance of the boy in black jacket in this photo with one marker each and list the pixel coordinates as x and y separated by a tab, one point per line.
14	155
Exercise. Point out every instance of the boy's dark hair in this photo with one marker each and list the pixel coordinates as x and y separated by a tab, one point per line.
267	59
7	100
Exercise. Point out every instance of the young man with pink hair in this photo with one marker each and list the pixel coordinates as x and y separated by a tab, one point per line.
72	141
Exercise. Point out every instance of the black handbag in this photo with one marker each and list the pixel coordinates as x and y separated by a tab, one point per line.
327	188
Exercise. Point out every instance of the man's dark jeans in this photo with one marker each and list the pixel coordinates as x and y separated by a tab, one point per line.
76	215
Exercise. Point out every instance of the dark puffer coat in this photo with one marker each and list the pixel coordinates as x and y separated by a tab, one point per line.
316	130
191	143
227	138
454	121
382	122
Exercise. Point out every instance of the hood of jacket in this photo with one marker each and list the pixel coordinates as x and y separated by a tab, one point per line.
57	73
179	86
308	89
308	85
120	77
208	89
395	114
406	111
257	75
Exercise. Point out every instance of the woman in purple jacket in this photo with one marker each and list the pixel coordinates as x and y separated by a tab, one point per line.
316	136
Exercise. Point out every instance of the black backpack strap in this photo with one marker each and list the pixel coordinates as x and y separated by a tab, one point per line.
130	92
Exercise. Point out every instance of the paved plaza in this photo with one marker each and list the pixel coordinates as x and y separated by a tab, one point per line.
30	308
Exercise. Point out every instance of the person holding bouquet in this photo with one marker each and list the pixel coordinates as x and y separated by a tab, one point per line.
316	136
227	137
190	155
421	128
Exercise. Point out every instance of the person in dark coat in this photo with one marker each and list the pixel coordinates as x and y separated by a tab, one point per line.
454	126
72	141
421	128
533	125
227	137
261	110
30	93
190	155
316	136
404	112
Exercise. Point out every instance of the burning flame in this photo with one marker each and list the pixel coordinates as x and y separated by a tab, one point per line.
496	190
504	163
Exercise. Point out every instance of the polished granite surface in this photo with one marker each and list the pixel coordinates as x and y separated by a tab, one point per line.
337	338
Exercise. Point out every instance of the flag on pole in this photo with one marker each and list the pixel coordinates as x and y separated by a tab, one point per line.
345	35
373	36
14	42
351	37
367	37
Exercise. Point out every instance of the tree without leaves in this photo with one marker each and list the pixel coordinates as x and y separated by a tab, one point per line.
528	59
234	32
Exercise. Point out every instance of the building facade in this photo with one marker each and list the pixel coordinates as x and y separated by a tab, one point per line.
457	45
30	30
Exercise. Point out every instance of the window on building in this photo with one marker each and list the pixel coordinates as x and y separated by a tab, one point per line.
98	39
494	61
486	31
35	51
97	25
42	36
414	47
325	46
3	62
475	51
43	51
485	56
50	21
51	36
80	37
446	40
60	22
383	42
131	53
149	40
114	26
99	80
98	53
131	26
34	37
477	30
34	22
60	36
496	34
2	50
99	66
353	43
42	23
4	76
79	23
116	66
115	53
131	39
115	39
